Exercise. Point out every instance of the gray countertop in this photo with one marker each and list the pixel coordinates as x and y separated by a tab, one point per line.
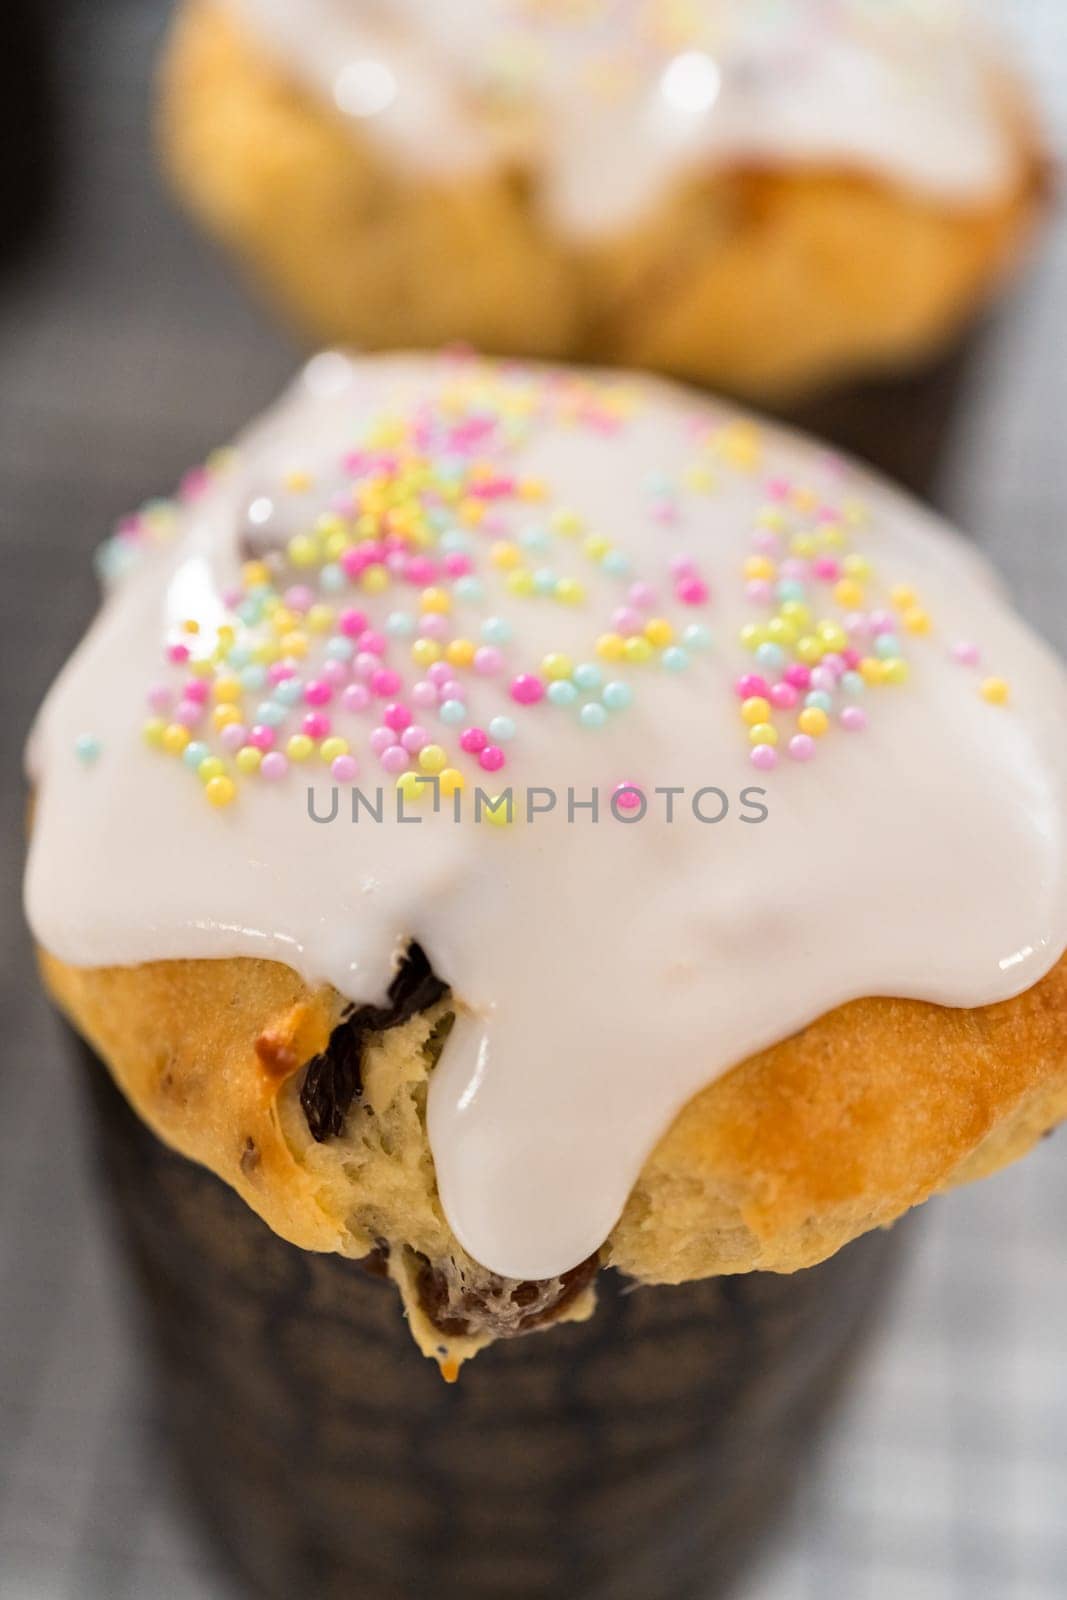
127	350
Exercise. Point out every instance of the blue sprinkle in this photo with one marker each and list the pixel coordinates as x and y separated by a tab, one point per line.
544	580
675	659
790	589
501	729
616	564
886	646
587	675
271	714
253	677
617	696
469	588
496	630
87	748
561	692
819	700
771	656
697	636
398	625
593	715
453	711
852	684
194	753
289	691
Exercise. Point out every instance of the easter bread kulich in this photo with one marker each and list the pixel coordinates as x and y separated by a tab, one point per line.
765	199
510	821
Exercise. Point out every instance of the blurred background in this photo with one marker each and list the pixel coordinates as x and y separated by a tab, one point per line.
128	350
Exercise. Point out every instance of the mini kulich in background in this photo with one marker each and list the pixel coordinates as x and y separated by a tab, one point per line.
520	1058
781	201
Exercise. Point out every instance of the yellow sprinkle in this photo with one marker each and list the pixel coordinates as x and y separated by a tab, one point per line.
763	733
872	670
566	522
495	811
504	555
699	479
333	747
570	592
210	767
916	620
832	636
190	625
221	791
637	649
153	732
200	668
298	747
596	547
424	652
223	716
814	721
175	738
609	647
432	758
857	566
832	537
903	597
802	544
804	499
848	593
450	780
227	689
770	517
303	550
375	580
520	582
895	671
248	758
297	482
996	690
320	618
557	666
659	632
254	574
412	787
755	710
460	653
282	620
295	644
759	567
796	611
810	649
438	601
531	489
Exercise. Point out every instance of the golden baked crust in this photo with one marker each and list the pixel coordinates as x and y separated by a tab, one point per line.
766	283
836	1130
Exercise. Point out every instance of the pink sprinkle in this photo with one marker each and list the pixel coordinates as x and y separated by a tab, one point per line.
317	693
853	719
801	747
798	675
352	623
273	766
487	660
751	685
796	569
642	595
760	591
627	797
784	696
449	691
457	565
827	568
365	665
663	511
160	697
766	541
823	679
262	736
233	736
765	757
278	671
371	643
683	567
473	740
882	622
527	688
778	488
316	725
414	738
856	625
424	695
420	569
345	768
195	689
433	625
439	673
851	658
395	758
397	717
178	652
188	713
334	673
692	591
396	561
966	654
627	621
385	682
356	697
834	664
491	759
381	739
299	597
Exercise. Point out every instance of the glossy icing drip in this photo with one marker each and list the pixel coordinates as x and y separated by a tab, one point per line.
531	580
607	102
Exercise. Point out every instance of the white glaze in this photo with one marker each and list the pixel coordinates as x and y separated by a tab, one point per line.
605	973
610	101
